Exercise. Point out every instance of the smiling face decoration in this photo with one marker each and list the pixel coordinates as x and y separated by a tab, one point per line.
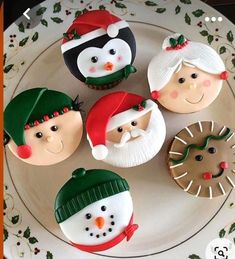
102	210
201	159
125	130
99	49
42	126
186	76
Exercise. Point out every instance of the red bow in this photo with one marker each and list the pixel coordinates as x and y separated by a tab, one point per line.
130	230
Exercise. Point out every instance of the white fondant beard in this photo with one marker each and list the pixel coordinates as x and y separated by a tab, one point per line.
141	149
120	59
119	205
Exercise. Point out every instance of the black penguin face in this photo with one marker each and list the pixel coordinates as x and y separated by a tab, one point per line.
71	56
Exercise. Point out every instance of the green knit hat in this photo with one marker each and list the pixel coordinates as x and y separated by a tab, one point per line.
29	109
85	188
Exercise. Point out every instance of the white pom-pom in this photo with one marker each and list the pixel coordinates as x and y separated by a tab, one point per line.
99	152
112	30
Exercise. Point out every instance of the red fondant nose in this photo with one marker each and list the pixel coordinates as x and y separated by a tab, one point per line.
207	175
223	165
108	66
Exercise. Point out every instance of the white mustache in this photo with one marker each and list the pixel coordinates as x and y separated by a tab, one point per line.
127	136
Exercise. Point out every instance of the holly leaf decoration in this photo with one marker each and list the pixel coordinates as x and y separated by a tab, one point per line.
56	19
136	107
193	256
177	9
210	38
23	42
222	233
232	228
8	68
27	233
11	45
186	1
77	13
102	7
204	33
35	36
21	27
143	104
57	7
120	5
84	10
49	255
41	11
5	234
181	39
187	19
233	62
222	50
173	42
150	3
15	219
33	240
198	13
230	37
44	22
160	10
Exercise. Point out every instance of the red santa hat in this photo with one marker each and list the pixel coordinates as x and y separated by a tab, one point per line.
109	112
91	25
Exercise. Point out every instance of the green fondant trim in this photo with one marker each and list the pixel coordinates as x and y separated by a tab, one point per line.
123	73
204	146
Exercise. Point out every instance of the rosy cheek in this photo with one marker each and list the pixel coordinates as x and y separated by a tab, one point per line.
119	58
92	69
174	94
207	83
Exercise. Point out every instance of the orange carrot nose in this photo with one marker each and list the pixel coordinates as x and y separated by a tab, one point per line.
108	66
99	222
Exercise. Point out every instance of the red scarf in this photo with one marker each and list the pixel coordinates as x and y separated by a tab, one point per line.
128	233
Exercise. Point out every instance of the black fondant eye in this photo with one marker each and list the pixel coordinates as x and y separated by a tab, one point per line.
134	123
94	59
112	51
87	229
112	223
103	208
194	75
110	229
120	129
212	150
54	128
199	158
88	216
181	80
111	216
39	135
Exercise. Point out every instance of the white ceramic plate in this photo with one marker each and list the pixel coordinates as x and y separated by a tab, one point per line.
172	223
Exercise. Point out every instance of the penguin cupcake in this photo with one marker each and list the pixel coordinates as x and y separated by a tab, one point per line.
99	49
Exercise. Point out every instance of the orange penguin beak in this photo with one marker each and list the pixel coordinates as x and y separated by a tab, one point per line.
108	66
99	222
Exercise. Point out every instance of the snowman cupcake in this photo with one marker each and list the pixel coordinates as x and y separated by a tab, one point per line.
186	76
201	159
99	49
42	126
94	210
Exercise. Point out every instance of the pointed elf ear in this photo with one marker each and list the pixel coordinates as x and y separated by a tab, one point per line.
155	95
224	75
76	104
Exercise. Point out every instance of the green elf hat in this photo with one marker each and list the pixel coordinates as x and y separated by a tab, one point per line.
29	109
85	188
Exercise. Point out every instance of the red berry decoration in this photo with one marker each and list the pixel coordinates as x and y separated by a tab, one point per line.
36	123
155	95
56	114
66	109
26	127
224	75
46	118
207	176
223	165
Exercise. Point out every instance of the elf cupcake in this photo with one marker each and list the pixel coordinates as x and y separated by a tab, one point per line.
186	76
42	127
94	210
99	49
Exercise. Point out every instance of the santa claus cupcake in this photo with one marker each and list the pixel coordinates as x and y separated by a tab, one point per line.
42	127
186	76
94	210
125	130
99	49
